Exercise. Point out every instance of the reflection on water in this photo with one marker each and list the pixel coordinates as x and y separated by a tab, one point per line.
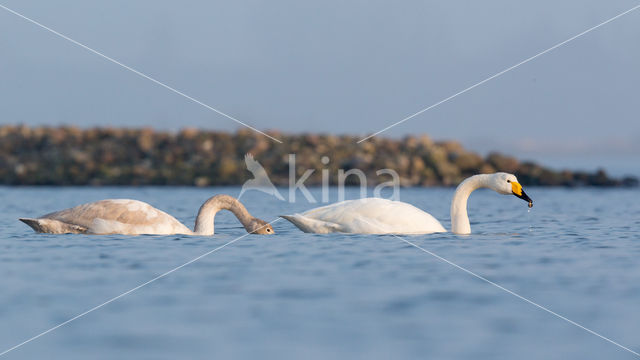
298	295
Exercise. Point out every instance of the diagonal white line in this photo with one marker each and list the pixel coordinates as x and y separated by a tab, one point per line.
498	74
127	292
138	73
515	294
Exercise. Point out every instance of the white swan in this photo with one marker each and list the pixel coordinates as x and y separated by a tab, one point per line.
381	216
132	217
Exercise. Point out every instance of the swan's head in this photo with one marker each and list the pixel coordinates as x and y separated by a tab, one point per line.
259	226
508	184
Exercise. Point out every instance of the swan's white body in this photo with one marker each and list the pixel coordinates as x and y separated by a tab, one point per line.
133	217
367	216
381	216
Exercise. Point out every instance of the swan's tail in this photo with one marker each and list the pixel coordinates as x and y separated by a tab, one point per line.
33	223
309	225
290	218
51	226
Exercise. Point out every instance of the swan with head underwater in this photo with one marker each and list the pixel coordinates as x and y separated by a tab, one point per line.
133	217
382	216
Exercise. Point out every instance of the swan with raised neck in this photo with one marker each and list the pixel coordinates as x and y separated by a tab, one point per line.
502	183
132	217
383	216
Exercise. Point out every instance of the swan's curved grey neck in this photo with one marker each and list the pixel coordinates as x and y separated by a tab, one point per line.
459	217
208	210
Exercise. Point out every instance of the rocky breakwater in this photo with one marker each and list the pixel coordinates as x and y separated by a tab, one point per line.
115	156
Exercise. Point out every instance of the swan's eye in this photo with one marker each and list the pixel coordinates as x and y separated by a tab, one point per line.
508	181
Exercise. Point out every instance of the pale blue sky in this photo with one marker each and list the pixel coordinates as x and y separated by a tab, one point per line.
349	67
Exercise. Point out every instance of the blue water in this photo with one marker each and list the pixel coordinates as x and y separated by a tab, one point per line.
296	295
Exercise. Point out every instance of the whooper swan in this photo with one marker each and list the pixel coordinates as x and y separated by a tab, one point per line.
132	217
381	216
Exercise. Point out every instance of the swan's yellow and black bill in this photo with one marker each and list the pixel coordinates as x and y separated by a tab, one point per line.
516	188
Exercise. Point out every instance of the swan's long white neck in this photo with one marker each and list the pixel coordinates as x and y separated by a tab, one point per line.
208	210
459	218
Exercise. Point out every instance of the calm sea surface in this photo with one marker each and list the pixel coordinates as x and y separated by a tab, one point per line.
296	295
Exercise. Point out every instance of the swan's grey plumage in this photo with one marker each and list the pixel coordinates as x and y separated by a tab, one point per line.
133	217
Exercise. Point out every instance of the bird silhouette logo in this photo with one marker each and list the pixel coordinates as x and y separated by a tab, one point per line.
260	181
